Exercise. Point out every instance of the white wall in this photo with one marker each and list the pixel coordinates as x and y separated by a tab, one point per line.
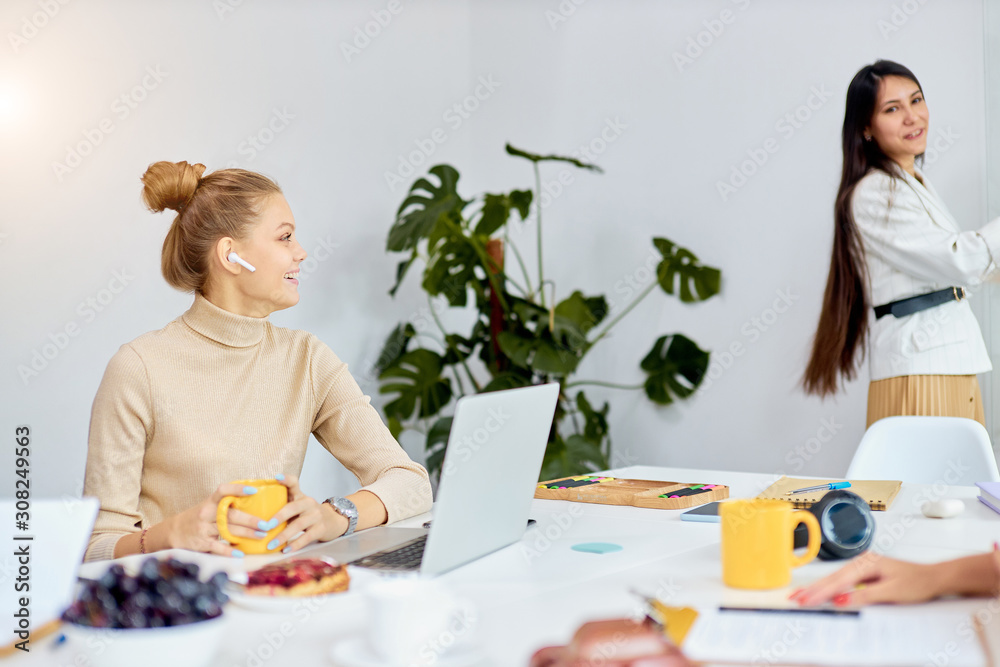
557	85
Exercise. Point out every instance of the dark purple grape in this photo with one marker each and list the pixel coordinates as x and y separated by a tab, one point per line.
149	571
164	593
113	575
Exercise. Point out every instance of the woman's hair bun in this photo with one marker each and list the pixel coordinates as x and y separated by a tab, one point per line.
170	184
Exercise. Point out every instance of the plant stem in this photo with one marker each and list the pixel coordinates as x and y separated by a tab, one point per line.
628	309
524	269
458	379
472	378
513	282
484	259
538	192
601	383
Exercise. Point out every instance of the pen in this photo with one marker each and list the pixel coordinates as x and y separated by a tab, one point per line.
797	610
831	485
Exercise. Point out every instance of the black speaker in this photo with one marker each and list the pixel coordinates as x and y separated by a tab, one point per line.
846	524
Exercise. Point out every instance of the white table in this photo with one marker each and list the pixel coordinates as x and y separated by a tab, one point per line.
537	592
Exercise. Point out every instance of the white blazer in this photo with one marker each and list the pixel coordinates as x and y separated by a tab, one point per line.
914	246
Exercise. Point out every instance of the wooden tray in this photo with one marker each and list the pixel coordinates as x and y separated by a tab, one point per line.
634	492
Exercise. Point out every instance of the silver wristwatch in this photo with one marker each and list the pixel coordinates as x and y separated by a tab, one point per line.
346	509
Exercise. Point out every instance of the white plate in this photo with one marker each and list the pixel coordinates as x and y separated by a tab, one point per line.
361	578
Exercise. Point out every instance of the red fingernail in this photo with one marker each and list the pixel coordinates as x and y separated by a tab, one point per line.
842	600
796	593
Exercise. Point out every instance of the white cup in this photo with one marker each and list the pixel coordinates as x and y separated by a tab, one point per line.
416	621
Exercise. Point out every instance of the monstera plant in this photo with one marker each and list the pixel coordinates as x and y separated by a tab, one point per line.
517	337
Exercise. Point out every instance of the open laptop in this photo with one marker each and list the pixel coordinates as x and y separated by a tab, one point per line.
488	480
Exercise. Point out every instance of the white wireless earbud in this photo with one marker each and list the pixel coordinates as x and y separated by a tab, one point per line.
233	257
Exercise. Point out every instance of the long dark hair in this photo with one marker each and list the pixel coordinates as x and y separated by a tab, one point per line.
839	345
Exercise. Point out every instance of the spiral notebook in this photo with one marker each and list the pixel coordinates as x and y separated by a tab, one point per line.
879	494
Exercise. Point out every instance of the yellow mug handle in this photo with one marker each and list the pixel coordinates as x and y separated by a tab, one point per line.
814	537
222	518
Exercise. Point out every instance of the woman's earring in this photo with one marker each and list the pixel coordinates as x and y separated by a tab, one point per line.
868	137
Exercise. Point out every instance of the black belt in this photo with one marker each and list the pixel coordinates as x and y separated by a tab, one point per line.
915	304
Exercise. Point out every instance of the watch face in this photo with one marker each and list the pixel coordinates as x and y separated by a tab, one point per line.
346	507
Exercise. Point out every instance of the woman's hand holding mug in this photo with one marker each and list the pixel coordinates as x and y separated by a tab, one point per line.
196	528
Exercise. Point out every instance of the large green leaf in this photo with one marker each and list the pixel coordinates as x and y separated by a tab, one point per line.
437	439
575	316
516	348
539	354
459	348
401	269
551	358
675	365
576	455
508	380
595	424
680	266
585	450
395	346
450	269
520	200
416	377
423	209
535	157
395	427
496	210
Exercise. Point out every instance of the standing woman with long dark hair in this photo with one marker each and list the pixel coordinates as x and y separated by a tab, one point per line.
900	266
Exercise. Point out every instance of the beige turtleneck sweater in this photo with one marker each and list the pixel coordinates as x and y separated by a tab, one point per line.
215	397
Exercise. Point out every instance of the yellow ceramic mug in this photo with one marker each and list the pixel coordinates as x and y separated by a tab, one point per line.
271	496
757	538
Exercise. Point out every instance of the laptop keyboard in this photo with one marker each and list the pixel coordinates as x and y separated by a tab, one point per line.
404	557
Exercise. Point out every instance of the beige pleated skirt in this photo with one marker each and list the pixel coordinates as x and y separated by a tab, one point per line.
933	395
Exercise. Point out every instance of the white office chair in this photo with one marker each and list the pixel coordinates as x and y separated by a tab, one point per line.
926	450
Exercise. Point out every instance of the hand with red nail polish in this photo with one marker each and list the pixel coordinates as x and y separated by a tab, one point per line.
887	580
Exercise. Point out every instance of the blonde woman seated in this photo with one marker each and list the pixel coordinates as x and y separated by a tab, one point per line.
220	394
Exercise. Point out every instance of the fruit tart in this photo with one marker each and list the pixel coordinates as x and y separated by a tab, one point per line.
299	577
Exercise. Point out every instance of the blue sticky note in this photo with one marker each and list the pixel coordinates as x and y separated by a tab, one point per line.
597	547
